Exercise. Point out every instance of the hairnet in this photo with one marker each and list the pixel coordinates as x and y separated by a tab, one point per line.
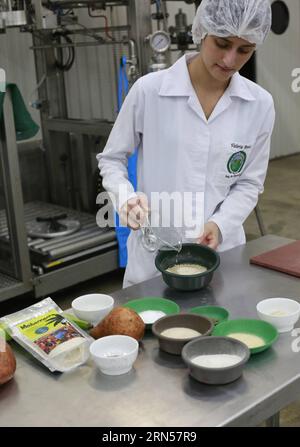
247	19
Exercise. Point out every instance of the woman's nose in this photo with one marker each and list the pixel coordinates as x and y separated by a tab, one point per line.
229	58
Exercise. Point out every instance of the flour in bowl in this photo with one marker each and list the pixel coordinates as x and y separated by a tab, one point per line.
216	360
186	269
180	333
251	340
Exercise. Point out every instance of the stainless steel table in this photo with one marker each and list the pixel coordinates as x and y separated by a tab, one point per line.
159	391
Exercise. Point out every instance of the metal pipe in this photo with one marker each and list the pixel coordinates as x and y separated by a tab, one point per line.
116	51
89	251
38	13
132	50
99	239
85	3
165	17
77	44
99	29
133	73
80	237
33	242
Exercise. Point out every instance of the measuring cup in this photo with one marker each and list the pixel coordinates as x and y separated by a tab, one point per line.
160	238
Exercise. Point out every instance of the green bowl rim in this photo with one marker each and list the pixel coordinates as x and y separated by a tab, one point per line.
210	307
168	301
196	275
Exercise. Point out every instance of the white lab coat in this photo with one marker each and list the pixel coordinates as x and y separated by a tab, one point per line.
180	150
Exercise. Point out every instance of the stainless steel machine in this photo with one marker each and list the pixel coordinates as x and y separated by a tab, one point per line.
47	245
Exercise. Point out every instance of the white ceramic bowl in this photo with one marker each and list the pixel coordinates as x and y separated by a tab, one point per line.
93	307
281	312
115	354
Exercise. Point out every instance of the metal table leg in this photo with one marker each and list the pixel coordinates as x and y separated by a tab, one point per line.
273	421
260	222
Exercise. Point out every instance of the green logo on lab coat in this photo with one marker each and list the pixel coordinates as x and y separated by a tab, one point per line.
236	162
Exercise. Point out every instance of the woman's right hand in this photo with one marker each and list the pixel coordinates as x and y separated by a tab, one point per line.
134	212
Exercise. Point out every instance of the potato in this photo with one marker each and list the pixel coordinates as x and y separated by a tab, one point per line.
7	363
120	321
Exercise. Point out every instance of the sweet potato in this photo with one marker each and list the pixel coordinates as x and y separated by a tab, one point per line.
120	321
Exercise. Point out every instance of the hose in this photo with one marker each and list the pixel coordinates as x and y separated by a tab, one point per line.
59	60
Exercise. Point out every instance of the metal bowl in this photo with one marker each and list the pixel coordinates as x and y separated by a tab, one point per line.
189	254
213	346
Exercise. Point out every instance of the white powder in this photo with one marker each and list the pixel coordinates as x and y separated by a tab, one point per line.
150	316
70	354
216	360
114	354
180	332
279	313
186	269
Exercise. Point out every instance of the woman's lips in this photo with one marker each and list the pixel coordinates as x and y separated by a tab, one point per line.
226	70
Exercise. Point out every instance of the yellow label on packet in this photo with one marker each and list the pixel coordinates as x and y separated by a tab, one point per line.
48	330
41	326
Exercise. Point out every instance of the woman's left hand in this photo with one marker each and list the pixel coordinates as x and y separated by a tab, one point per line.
210	235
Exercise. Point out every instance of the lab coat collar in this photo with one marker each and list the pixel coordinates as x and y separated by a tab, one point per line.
177	82
239	88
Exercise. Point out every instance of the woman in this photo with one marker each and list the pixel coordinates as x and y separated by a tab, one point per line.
200	127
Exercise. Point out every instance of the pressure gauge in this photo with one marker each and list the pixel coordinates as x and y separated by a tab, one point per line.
160	41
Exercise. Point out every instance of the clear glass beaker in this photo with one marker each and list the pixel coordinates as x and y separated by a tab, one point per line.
155	238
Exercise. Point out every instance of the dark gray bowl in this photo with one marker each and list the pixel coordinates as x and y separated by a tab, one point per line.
215	345
190	254
188	320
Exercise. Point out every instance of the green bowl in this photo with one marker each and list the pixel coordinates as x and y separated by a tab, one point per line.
259	328
189	254
153	303
216	313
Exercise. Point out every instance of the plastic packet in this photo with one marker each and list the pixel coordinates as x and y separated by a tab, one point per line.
49	336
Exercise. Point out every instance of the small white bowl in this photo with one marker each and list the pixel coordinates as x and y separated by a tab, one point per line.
93	307
115	354
281	312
